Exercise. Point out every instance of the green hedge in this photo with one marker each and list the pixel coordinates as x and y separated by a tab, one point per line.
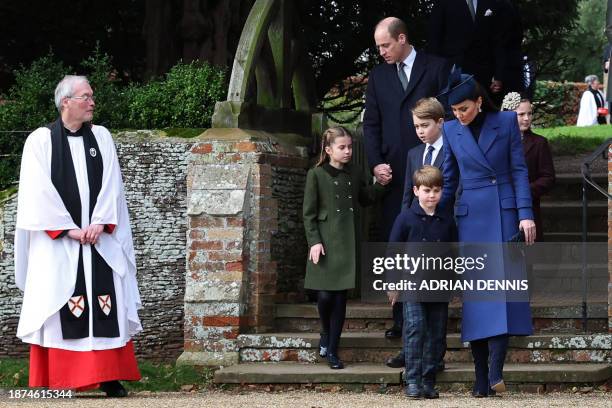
557	103
184	98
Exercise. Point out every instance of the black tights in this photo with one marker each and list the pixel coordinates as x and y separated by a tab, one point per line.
332	310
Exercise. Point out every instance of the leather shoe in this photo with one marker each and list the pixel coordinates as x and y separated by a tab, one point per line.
430	392
396	362
413	391
334	362
113	389
393	333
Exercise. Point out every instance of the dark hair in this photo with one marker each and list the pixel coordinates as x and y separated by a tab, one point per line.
329	136
487	103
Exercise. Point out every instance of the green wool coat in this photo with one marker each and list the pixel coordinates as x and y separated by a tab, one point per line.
332	201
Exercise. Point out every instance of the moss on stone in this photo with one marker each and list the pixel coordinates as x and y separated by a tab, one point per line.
8	193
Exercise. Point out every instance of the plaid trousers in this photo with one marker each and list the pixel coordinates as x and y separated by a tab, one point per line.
424	340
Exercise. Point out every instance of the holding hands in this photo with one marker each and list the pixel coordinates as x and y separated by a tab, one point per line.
382	172
88	235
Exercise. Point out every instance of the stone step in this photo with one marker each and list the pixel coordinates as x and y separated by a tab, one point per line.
374	347
566	216
569	187
562	315
296	373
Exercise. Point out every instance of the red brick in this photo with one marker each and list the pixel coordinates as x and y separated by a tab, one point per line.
234	221
221	321
225	256
234	266
206	245
202	148
246	147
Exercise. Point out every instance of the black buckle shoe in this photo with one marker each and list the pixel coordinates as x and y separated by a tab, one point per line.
393	333
334	362
113	389
396	362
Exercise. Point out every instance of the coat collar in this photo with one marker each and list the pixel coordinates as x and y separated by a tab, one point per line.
528	141
488	134
418	69
334	172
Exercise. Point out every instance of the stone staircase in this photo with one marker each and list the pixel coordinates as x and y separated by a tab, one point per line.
562	210
557	356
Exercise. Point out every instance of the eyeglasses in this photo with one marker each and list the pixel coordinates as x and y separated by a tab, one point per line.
85	98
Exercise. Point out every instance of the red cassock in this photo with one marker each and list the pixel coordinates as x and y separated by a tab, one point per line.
81	370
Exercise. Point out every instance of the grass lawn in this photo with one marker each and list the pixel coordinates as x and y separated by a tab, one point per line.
569	140
155	376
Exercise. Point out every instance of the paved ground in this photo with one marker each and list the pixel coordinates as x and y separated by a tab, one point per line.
313	399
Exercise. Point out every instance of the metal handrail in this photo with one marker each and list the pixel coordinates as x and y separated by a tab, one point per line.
587	180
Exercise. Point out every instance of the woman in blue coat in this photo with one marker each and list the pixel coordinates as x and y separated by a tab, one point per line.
484	154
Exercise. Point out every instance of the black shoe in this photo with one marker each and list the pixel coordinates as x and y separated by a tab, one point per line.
394	333
396	362
113	389
413	391
334	362
430	392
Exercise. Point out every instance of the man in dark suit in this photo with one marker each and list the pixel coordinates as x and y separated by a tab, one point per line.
471	34
393	88
387	124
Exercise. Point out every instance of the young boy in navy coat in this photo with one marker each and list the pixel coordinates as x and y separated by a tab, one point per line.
424	322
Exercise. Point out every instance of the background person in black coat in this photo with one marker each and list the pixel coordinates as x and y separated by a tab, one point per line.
475	42
387	124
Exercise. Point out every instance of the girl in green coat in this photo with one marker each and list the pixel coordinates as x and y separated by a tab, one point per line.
334	192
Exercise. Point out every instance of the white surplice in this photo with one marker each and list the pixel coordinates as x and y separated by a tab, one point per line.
45	269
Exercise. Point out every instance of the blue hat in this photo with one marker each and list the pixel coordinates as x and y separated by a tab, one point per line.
460	87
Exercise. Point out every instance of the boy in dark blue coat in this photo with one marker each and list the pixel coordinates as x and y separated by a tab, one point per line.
424	322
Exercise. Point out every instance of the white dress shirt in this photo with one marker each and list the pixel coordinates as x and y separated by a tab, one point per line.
437	146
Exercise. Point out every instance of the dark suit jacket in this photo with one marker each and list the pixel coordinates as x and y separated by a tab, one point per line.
476	46
387	123
414	161
541	173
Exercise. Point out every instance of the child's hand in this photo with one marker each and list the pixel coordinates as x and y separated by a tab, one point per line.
393	295
315	252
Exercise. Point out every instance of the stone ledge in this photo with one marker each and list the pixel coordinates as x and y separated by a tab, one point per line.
377	340
296	373
206	358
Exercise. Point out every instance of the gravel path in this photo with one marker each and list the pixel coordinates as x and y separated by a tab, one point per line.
312	399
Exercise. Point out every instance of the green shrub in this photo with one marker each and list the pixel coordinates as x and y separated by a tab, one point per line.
556	103
186	97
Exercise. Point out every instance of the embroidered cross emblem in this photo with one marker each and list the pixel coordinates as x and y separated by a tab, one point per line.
105	303
76	304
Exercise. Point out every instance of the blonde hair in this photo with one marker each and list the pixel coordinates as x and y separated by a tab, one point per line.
329	136
428	108
428	176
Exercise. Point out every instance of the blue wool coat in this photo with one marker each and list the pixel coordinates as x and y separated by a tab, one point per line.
495	197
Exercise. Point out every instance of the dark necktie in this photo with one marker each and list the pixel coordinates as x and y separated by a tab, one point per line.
470	4
428	156
402	75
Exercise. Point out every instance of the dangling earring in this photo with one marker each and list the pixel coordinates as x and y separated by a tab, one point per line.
479	108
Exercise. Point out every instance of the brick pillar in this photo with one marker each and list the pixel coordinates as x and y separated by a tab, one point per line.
232	215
